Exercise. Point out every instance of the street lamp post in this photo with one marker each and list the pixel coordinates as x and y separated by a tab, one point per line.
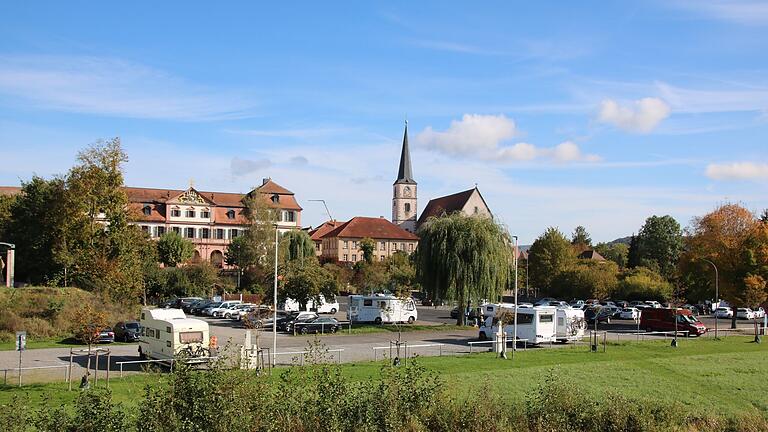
717	292
274	311
514	340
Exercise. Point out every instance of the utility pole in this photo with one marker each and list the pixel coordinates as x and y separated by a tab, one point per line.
717	292
330	218
514	340
274	317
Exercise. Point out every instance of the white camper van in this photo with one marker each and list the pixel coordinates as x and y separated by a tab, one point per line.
570	324
381	309
321	307
535	325
168	332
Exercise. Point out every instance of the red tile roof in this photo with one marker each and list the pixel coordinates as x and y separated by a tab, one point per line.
326	227
375	228
591	254
9	190
445	205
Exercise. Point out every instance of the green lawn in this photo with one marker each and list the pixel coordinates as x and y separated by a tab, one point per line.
707	376
48	343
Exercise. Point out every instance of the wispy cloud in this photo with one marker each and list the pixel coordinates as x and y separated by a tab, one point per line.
240	167
290	133
114	87
641	116
457	47
738	171
750	12
485	137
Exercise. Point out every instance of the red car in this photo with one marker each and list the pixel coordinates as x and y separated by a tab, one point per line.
663	319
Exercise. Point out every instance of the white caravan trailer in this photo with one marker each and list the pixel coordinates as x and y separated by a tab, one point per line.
570	324
381	309
535	325
167	332
323	306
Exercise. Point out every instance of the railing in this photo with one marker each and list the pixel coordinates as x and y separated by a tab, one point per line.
407	346
20	370
473	343
168	361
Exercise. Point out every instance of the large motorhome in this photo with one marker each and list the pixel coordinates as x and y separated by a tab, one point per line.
570	324
322	306
381	309
535	325
166	333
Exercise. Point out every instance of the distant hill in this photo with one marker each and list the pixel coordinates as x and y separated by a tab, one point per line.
625	240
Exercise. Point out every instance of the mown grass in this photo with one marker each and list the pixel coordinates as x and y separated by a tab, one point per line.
50	343
706	376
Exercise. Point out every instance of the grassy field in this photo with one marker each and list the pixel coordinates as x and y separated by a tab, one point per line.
723	377
49	343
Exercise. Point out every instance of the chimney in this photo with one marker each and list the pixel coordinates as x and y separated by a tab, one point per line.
265	180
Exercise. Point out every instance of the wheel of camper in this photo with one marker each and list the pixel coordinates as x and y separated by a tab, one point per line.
332	329
482	336
304	330
227	315
333	311
377	321
411	319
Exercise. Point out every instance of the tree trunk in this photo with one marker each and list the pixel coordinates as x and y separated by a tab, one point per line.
733	318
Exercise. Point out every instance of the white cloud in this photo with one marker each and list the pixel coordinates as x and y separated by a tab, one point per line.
738	171
483	137
754	12
642	116
113	87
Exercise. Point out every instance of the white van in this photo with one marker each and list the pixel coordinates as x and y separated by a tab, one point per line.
323	306
535	325
570	324
166	333
224	307
381	309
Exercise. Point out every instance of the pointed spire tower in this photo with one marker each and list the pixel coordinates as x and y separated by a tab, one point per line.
404	190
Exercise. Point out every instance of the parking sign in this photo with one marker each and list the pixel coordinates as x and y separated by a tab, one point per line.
21	341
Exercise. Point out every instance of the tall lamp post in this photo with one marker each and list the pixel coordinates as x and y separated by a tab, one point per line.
514	340
326	207
274	317
717	293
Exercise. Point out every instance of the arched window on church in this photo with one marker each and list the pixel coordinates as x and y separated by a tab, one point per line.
407	208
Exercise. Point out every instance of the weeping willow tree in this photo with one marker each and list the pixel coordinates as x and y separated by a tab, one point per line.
463	259
296	245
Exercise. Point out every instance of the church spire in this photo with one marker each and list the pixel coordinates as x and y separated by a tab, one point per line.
405	174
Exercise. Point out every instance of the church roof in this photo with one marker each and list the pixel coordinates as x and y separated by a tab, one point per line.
591	254
446	205
405	172
372	227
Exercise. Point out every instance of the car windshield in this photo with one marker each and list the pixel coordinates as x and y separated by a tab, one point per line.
132	325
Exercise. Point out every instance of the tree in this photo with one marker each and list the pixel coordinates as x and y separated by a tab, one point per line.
173	249
658	245
549	254
297	245
580	238
641	283
463	259
616	252
737	242
586	279
367	245
305	280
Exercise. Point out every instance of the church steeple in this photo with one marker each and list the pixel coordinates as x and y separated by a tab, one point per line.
404	190
405	173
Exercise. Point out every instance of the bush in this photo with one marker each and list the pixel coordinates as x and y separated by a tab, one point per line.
642	283
586	279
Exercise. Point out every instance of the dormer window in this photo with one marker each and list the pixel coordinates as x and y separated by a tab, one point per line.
275	198
147	210
190	213
175	212
230	214
205	214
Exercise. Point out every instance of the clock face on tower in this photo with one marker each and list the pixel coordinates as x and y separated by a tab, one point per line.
407	192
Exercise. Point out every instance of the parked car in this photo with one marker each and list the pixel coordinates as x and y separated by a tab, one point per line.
745	313
234	311
187	307
209	308
759	312
218	311
198	307
599	314
106	336
663	319
630	313
317	325
723	312
653	303
127	331
286	323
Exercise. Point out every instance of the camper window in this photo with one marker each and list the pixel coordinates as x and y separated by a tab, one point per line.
157	334
546	318
409	306
167	329
191	337
168	344
524	318
382	305
367	302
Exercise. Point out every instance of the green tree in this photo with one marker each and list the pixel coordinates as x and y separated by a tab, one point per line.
463	259
367	245
305	280
586	279
641	283
616	252
402	273
659	245
173	249
297	245
549	254
580	238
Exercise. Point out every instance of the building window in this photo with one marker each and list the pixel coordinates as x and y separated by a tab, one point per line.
382	246
394	246
477	210
205	233
219	233
176	213
345	257
410	247
275	198
145	228
381	258
189	232
147	210
159	231
317	245
230	214
402	246
407	208
354	245
233	233
346	245
205	214
291	217
190	213
354	257
177	230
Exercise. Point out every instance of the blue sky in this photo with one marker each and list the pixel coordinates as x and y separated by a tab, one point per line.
592	113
